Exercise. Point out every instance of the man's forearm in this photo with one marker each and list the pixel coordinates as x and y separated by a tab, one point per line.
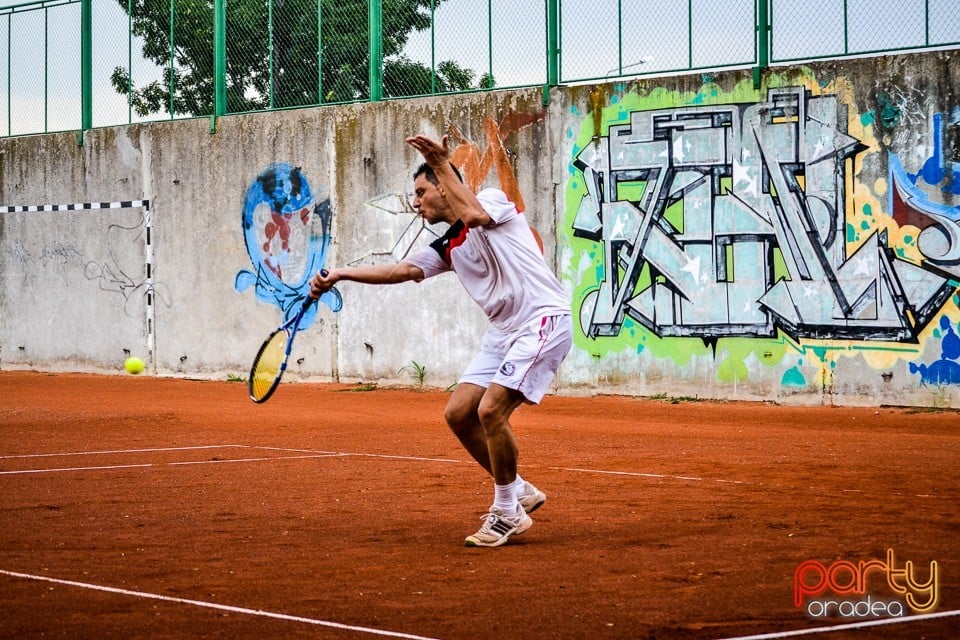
462	200
379	273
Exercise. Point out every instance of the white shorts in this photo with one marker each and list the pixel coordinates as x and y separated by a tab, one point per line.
525	361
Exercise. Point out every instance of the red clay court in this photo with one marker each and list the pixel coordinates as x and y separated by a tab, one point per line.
141	507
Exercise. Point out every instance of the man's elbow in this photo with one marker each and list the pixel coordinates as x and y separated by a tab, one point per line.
405	272
479	218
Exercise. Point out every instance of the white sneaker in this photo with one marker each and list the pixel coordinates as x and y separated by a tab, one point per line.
531	498
497	528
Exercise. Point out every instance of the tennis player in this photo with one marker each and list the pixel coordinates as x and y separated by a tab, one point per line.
492	249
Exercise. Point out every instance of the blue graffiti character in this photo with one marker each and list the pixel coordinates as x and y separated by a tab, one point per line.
282	242
945	370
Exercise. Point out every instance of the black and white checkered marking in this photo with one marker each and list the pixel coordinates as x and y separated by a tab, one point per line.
78	206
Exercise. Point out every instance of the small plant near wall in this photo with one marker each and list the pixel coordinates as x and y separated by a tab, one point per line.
416	369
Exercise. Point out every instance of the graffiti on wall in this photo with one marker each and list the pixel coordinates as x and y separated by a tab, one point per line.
287	234
404	231
735	220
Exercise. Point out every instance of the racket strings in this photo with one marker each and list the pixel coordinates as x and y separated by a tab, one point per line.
266	370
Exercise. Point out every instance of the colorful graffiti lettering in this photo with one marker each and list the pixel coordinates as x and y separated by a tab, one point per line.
938	224
282	241
727	219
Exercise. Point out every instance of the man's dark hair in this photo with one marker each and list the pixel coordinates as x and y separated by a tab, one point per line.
427	172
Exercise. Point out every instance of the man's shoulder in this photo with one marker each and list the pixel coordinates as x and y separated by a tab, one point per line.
497	204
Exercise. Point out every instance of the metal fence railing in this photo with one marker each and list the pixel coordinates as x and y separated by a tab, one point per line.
832	29
80	64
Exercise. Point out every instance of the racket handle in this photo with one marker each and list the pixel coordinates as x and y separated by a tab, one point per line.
310	300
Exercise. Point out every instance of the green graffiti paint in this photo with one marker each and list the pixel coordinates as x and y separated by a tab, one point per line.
732	370
632	191
780	271
793	377
889	111
851	233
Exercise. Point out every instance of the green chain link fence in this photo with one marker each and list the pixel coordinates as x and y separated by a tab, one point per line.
79	64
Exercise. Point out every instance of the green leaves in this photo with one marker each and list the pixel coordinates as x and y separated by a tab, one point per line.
278	56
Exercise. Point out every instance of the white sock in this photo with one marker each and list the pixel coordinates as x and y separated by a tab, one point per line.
518	485
505	498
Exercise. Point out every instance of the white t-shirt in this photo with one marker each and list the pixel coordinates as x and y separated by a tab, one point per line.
500	265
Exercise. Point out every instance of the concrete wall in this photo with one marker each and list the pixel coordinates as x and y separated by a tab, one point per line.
799	242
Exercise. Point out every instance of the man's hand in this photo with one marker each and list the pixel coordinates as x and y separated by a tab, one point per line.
436	154
322	281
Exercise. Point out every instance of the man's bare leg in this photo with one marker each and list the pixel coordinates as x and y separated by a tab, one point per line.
496	406
461	416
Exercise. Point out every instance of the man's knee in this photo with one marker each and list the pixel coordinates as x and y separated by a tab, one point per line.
495	408
459	417
487	416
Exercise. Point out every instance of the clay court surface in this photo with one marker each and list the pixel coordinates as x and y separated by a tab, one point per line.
143	507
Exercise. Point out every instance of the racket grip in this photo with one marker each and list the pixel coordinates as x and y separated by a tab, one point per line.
310	300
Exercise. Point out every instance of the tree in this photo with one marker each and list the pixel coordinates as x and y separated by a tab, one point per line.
343	55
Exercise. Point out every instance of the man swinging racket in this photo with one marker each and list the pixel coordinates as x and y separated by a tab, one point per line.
491	248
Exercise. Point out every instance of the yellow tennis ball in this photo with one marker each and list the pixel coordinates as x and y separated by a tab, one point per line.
133	365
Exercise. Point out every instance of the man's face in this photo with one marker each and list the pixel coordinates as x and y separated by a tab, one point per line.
427	200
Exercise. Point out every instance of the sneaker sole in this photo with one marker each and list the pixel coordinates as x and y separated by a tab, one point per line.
523	527
536	505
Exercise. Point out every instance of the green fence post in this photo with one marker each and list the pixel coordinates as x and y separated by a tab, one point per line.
376	49
9	100
762	41
171	57
433	48
490	78
319	51
553	48
270	55
219	62
86	68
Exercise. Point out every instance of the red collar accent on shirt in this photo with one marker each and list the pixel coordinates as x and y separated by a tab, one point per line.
456	236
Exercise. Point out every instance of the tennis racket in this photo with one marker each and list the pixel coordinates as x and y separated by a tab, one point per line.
271	360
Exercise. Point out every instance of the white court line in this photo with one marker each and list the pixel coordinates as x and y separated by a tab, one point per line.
318	455
342	454
160	464
218	607
362	455
390	457
647	475
96	453
65	469
311	453
843	627
661	476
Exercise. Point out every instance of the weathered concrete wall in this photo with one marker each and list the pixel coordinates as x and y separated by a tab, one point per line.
799	242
